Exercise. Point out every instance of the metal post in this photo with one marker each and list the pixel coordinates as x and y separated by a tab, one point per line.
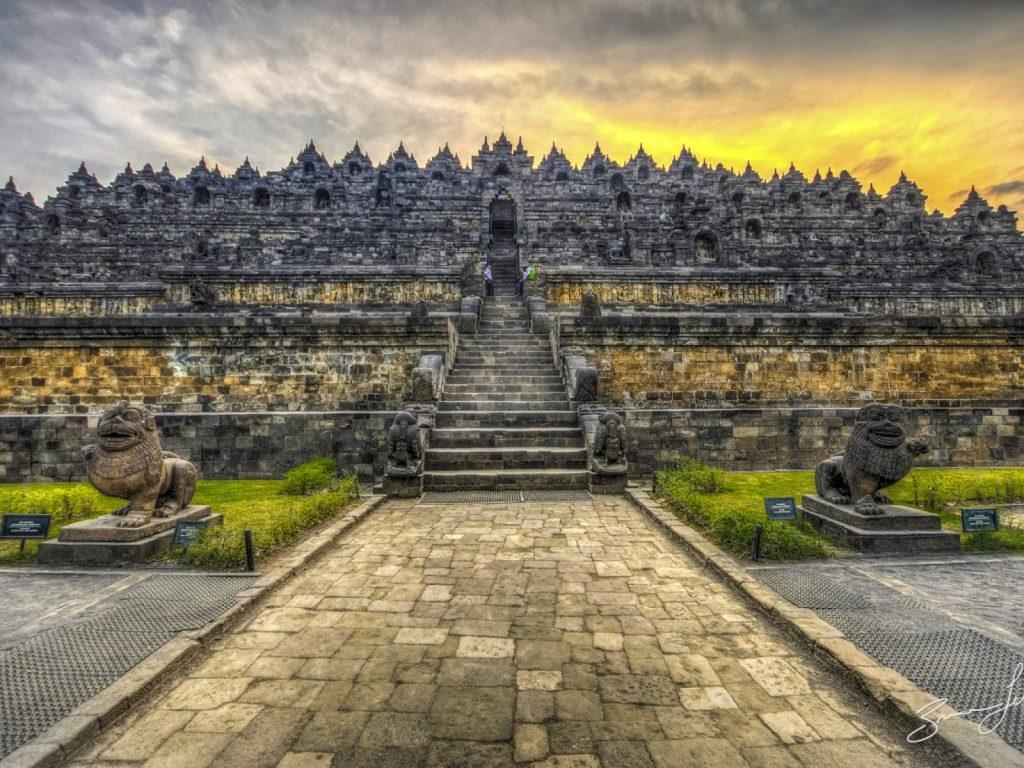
21	549
250	555
755	552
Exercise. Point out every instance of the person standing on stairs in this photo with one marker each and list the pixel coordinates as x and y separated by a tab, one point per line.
522	280
488	280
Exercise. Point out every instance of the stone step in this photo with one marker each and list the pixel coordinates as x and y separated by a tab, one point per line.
507	369
489	342
521	360
482	388
489	377
488	458
492	393
551	404
497	349
506	480
505	419
502	437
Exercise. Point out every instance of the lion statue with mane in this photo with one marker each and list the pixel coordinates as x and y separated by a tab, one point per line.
877	456
128	463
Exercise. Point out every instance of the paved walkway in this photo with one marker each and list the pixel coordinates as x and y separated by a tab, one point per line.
65	635
952	624
491	635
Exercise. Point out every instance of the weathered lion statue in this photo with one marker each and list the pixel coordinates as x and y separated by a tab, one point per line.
404	450
877	456
609	453
127	463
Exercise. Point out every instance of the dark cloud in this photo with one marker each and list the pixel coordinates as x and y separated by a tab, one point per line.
113	80
875	165
1006	188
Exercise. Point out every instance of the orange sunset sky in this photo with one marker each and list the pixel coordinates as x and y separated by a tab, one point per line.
932	88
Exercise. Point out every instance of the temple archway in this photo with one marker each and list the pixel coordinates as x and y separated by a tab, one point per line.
986	264
705	248
503	218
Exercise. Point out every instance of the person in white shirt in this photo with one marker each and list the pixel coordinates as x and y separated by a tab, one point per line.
488	281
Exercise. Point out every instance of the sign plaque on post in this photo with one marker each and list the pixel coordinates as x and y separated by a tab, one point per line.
187	532
780	507
24	527
975	520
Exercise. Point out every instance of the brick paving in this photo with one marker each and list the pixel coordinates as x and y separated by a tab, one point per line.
570	634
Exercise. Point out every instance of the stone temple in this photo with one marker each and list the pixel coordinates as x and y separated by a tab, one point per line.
272	317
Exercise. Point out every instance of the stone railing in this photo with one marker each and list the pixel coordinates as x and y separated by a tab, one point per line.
537	308
579	375
408	441
604	435
428	378
469	313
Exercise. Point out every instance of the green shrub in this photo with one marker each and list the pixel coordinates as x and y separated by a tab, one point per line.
702	496
698	476
314	475
224	547
64	504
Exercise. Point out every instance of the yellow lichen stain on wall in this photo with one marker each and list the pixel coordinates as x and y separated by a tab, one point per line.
655	294
263	376
693	376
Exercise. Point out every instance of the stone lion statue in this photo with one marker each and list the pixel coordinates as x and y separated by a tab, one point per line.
877	456
404	445
128	463
610	442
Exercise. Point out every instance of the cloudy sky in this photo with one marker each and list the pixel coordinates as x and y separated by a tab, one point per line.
933	87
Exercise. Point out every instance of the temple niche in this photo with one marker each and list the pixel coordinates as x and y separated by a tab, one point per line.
354	212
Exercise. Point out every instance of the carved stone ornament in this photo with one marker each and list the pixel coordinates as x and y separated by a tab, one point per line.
128	463
609	455
877	456
404	452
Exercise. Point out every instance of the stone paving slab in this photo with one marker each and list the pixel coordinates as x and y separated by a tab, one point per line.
563	634
67	636
950	624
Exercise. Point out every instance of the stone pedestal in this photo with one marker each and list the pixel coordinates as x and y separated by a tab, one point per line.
403	486
605	483
900	530
101	542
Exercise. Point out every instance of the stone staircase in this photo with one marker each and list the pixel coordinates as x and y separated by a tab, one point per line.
503	420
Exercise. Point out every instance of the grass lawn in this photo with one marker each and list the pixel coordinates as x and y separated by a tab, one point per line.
728	505
275	518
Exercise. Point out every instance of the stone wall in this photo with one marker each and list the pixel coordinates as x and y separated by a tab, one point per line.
366	287
634	289
710	359
265	445
798	438
222	445
212	362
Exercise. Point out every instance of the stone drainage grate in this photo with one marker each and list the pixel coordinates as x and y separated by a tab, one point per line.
45	677
501	497
811	589
970	670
